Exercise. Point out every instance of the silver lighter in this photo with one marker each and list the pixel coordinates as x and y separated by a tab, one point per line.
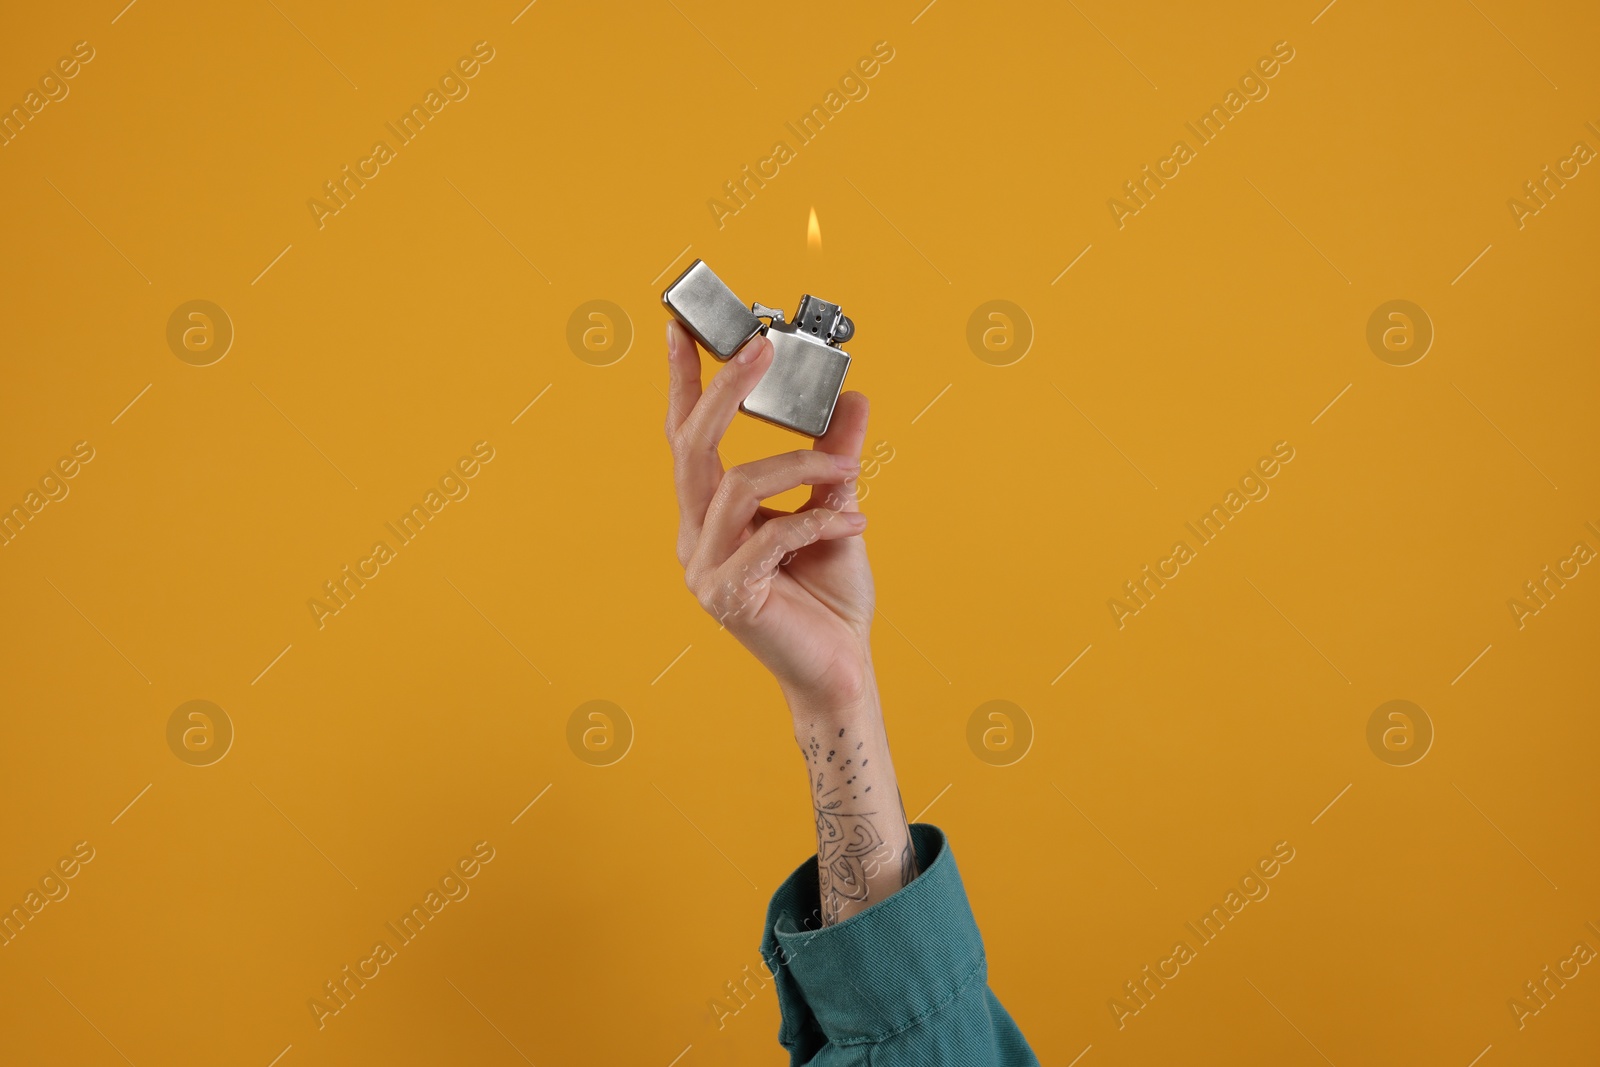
800	389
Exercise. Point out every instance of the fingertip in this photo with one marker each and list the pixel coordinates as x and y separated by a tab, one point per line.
755	350
841	524
679	340
855	406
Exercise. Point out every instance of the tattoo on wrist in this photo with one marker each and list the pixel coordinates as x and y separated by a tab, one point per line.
852	850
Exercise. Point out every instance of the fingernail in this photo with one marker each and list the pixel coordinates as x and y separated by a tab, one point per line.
748	353
847	463
672	339
855	518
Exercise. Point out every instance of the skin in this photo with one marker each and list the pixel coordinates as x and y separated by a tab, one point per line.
796	590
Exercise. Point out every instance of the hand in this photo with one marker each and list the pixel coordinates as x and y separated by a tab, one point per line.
795	589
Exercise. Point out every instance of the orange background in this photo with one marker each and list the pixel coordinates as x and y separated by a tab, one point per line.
370	354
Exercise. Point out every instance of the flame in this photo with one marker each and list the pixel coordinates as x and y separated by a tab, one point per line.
814	232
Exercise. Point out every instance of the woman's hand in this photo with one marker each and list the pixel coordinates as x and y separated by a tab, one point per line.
796	590
793	588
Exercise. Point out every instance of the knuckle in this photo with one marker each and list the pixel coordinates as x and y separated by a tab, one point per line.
807	464
736	487
720	598
773	549
690	435
693	572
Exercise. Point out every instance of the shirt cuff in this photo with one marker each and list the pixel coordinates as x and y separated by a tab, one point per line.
884	969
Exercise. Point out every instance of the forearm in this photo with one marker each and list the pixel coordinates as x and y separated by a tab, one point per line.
864	850
905	979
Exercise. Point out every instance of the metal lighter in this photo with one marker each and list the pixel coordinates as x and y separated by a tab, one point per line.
802	385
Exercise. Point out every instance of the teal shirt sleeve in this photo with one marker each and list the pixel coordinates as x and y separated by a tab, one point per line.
903	982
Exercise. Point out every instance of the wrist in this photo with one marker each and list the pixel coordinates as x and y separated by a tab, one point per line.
846	698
